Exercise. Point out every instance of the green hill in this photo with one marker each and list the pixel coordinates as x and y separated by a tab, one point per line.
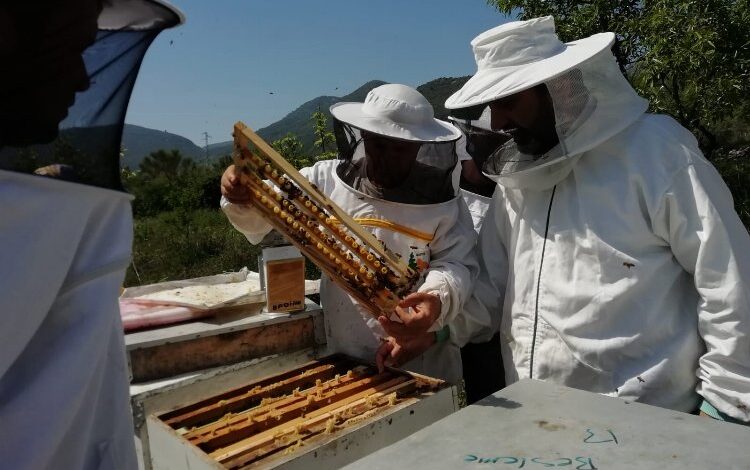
298	121
140	141
438	90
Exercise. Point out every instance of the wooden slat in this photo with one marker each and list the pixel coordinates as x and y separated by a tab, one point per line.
176	418
232	456
215	409
286	391
318	428
244	136
252	425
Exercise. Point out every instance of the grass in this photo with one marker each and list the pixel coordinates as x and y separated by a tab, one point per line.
186	244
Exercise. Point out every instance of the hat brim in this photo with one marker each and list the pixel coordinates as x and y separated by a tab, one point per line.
139	15
488	85
431	131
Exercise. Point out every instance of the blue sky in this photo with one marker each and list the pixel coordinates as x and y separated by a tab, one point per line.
223	63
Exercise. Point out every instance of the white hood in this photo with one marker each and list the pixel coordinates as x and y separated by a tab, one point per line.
592	103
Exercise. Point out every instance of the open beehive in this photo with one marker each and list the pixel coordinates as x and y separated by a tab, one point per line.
292	419
350	255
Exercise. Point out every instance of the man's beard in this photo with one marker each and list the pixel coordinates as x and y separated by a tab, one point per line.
531	143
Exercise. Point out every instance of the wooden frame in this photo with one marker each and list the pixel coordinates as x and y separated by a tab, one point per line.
292	415
350	255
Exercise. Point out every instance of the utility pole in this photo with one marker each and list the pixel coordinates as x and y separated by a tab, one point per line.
205	146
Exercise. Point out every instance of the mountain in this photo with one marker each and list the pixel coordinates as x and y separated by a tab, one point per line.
438	90
299	121
141	141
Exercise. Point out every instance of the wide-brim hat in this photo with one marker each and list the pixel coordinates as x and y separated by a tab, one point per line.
139	15
519	55
396	111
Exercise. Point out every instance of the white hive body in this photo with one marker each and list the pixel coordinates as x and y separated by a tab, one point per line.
298	418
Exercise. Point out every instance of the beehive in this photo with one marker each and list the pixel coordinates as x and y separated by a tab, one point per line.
303	412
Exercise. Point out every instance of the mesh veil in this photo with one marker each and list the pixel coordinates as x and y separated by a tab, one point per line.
592	102
87	149
428	179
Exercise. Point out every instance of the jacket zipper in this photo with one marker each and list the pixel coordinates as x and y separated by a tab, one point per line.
538	283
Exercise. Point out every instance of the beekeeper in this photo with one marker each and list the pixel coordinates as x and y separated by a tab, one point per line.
612	259
65	246
394	176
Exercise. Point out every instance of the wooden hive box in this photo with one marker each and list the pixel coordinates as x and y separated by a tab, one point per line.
324	414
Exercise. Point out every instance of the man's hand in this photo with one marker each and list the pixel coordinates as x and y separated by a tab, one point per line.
417	312
393	352
231	188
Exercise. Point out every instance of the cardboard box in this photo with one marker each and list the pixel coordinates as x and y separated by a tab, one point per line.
284	277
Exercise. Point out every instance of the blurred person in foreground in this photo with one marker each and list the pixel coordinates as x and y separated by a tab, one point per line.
65	237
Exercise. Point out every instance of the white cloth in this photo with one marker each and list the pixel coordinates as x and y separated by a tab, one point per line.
477	205
437	239
477	320
461	151
629	278
64	397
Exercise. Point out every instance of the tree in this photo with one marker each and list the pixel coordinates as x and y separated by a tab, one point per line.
165	163
167	181
690	59
222	163
696	62
290	147
325	142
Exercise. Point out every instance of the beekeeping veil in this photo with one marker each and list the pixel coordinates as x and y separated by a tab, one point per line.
480	142
392	147
89	139
591	99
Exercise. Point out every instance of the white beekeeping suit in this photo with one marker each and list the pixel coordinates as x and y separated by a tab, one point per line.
422	220
477	205
475	144
615	262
